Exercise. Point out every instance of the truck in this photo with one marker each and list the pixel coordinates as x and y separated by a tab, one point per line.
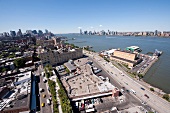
48	102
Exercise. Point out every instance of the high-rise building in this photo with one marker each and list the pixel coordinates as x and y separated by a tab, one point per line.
46	31
34	31
28	31
156	32
12	33
85	32
40	33
81	31
19	33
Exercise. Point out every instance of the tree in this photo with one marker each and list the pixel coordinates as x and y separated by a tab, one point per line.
166	97
140	76
20	62
152	89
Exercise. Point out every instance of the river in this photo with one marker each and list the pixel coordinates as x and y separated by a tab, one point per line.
158	75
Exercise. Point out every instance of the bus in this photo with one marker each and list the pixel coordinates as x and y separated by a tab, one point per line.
133	91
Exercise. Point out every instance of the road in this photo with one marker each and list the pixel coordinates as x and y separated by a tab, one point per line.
157	103
46	108
131	100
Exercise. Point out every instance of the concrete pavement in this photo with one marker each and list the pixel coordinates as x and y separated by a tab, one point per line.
157	103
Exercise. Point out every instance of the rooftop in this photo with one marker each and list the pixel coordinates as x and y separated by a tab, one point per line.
83	82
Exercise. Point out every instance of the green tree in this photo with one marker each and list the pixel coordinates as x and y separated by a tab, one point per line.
140	76
166	97
20	62
152	89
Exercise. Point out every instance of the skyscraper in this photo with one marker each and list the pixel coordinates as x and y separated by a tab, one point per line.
40	33
12	33
156	32
34	31
46	31
19	33
81	32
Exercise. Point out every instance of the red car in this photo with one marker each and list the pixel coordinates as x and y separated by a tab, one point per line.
146	95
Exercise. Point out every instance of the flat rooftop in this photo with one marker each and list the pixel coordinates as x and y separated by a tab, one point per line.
23	77
85	83
19	103
82	61
70	66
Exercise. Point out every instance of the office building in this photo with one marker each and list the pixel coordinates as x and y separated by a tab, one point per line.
81	31
12	33
34	31
46	31
19	33
40	33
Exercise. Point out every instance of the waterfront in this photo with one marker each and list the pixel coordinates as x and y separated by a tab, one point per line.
158	75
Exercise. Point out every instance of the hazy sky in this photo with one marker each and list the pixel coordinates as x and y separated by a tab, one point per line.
67	16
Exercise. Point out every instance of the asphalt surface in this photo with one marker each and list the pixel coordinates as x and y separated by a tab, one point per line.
46	108
158	104
130	99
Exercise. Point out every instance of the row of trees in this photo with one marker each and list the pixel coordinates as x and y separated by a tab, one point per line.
48	71
52	86
65	102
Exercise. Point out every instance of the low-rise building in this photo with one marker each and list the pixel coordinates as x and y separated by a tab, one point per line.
125	57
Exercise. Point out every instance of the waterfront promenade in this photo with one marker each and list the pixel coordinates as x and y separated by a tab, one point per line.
154	101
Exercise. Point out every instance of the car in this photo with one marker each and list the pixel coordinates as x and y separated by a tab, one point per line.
122	90
142	88
41	90
146	95
44	95
42	104
127	90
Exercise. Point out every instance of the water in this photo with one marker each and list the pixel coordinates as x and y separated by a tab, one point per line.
159	73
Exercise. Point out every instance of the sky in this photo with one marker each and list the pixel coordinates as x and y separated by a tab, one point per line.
68	16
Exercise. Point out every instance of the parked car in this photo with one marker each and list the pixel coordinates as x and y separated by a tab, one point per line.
44	95
142	88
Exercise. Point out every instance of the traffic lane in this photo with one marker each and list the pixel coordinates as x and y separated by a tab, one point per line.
151	100
113	81
46	108
118	74
139	87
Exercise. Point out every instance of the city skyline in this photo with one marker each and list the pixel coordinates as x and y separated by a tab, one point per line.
70	16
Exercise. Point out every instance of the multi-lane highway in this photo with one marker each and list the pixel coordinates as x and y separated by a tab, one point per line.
156	102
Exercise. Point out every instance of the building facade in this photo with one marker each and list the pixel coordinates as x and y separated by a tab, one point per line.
127	58
54	57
